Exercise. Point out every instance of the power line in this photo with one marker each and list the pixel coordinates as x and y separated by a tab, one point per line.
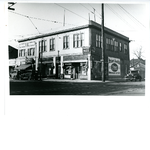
96	11
41	19
70	11
29	19
92	12
87	8
118	15
34	25
131	15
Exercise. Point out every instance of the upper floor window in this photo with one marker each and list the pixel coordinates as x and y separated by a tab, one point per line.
120	46
65	42
78	40
52	44
43	46
107	43
115	46
31	51
98	40
21	52
112	44
125	48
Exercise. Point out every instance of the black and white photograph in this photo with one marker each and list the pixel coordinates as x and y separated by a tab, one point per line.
77	48
75	75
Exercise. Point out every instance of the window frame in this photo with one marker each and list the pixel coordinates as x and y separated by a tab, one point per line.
31	51
78	40
66	42
22	52
120	46
43	43
52	44
125	48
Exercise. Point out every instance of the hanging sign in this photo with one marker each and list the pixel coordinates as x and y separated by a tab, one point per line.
86	50
114	66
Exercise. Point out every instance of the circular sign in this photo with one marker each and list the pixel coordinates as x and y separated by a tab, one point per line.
114	67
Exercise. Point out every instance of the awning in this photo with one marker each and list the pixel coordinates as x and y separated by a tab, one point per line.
23	67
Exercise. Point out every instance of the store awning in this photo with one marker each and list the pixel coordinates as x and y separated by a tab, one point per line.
23	67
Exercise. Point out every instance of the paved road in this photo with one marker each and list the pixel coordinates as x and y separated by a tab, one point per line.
52	87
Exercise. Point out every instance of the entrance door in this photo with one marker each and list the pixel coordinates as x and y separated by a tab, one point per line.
58	71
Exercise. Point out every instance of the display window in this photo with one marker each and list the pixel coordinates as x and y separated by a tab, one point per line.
68	70
75	70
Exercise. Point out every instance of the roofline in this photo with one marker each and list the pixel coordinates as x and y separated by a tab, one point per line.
107	30
54	33
91	24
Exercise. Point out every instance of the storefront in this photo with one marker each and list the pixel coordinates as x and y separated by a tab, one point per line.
46	67
12	64
75	67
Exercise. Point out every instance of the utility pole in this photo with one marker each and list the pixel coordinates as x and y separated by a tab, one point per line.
41	53
94	15
64	18
89	17
103	49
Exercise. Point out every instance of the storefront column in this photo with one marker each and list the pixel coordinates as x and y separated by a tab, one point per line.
61	63
89	67
54	61
36	55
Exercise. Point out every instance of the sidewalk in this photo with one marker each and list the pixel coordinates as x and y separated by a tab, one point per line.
73	80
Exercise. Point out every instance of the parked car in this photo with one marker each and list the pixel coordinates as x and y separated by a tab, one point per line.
133	76
26	75
13	74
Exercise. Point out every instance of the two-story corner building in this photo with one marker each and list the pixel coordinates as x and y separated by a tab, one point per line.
76	53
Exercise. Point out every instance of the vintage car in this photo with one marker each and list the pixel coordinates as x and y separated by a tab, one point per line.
133	76
26	75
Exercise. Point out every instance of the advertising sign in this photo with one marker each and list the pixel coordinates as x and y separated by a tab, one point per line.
86	50
114	66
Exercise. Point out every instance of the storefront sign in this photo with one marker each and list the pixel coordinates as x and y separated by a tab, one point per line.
47	60
22	45
86	50
31	44
12	62
67	64
114	66
75	57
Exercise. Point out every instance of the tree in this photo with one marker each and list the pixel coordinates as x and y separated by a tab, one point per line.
138	53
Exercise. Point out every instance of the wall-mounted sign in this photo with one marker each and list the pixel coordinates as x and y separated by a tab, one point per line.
86	50
31	44
114	66
22	45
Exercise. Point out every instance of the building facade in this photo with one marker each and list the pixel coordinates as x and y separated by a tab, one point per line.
138	64
13	55
76	53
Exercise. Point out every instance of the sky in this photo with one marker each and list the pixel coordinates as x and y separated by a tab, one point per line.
31	19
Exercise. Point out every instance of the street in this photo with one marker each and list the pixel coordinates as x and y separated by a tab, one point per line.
52	87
